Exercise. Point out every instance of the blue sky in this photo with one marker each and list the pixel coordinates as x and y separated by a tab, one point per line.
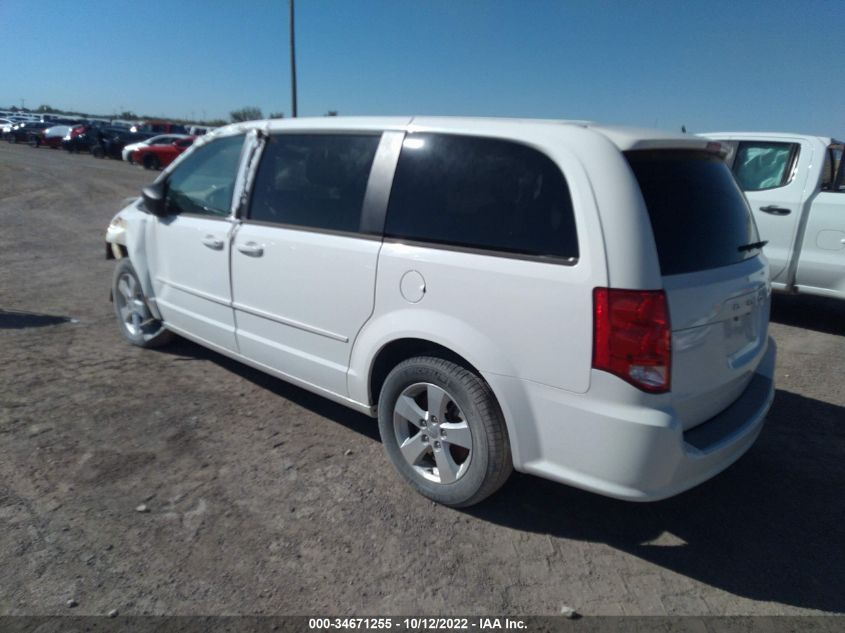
707	64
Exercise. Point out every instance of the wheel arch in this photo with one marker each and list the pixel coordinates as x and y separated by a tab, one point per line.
387	341
137	227
399	350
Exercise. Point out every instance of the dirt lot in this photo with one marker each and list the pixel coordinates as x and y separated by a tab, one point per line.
254	505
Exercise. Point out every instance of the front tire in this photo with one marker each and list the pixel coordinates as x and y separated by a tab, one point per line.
444	431
134	318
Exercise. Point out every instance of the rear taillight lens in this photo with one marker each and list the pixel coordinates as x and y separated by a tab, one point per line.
632	338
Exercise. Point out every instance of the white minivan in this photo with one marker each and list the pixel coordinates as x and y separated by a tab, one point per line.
588	304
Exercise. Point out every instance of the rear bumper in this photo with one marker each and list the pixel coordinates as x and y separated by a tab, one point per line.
600	442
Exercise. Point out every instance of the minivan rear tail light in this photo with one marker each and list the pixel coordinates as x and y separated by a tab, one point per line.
632	338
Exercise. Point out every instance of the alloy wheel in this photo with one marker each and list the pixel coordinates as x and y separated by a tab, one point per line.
432	433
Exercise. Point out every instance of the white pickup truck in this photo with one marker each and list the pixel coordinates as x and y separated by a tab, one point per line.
796	188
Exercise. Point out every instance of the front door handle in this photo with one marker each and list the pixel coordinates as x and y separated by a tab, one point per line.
212	242
252	249
775	210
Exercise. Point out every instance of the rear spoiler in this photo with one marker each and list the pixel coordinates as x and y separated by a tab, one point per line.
701	144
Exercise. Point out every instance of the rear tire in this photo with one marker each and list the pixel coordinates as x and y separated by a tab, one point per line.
151	161
444	431
134	318
97	151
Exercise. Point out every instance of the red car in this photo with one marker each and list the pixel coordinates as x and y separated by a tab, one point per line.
51	136
158	156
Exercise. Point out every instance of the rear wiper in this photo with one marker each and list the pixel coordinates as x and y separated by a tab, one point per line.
752	246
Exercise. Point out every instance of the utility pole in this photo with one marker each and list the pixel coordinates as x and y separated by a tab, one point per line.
292	63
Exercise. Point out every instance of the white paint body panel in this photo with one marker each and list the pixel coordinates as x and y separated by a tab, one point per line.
302	302
316	309
821	266
190	280
720	323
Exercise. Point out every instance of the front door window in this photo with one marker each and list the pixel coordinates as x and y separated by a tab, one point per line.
204	182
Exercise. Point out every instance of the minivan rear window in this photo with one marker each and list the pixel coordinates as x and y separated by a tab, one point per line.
698	213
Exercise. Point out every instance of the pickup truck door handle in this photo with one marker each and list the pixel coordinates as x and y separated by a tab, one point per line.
212	242
775	210
252	249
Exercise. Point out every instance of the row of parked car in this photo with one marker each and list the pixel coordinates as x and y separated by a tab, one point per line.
153	145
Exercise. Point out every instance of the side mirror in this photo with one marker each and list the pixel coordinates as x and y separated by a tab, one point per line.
155	198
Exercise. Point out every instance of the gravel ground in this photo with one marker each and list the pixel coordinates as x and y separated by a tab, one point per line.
179	482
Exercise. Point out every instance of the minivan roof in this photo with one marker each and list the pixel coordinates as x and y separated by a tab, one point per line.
625	138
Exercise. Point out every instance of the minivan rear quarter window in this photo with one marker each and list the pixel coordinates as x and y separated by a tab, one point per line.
482	194
698	213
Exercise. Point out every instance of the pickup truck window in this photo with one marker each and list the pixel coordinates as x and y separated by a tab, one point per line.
760	165
833	178
699	216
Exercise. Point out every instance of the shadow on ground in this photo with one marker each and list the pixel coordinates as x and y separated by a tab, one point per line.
317	404
770	528
16	320
820	314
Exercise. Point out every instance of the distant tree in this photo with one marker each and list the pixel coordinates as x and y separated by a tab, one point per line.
277	115
45	108
331	113
249	113
216	122
127	114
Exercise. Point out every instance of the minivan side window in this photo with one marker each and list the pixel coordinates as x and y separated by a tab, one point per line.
760	165
313	181
481	193
205	181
